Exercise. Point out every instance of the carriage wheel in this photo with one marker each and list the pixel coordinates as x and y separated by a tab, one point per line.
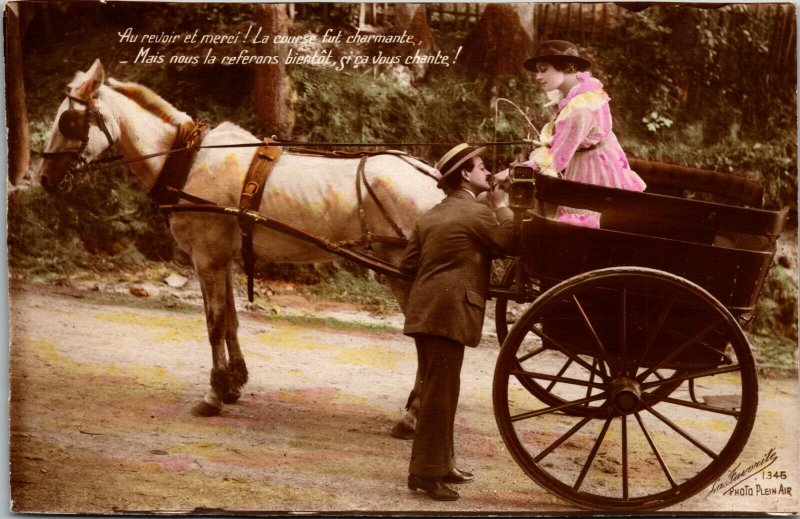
658	398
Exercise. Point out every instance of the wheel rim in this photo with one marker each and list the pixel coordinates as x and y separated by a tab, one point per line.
651	390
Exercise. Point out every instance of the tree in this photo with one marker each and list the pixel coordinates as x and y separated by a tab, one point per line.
19	153
413	18
273	87
500	41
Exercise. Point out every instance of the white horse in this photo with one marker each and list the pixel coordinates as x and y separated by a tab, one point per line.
313	193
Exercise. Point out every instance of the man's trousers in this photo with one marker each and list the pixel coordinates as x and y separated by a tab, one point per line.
440	359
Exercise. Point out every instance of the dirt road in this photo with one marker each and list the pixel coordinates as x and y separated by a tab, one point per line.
101	387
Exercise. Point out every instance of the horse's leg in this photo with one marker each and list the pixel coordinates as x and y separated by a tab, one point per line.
237	369
404	429
213	283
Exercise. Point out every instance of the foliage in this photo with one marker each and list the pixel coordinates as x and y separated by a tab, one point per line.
775	353
358	287
705	90
778	312
322	111
99	225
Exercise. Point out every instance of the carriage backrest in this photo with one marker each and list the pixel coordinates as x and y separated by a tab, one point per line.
679	181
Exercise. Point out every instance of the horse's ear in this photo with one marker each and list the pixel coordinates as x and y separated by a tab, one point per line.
94	78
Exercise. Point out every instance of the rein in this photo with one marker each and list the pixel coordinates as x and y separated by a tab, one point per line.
300	147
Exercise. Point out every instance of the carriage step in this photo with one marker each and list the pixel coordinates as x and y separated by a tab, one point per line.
724	401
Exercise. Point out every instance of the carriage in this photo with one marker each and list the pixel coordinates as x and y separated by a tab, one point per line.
624	381
638	321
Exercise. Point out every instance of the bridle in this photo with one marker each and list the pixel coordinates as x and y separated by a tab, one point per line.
75	124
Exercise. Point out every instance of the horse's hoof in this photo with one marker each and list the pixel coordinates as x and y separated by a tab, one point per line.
204	409
230	398
402	432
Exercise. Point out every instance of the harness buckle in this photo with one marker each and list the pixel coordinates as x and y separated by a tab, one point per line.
248	192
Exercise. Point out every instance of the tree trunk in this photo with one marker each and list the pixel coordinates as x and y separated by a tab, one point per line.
19	152
413	18
272	89
500	41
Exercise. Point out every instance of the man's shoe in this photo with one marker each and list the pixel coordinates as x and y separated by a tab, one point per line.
434	487
458	476
402	432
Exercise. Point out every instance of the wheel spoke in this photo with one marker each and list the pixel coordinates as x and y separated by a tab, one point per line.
701	407
690	376
552	384
624	331
713	455
592	455
530	355
563	349
555	378
559	407
591	379
575	428
591	329
655	451
624	419
651	338
677	351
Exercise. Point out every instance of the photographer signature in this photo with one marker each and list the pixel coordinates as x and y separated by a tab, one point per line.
739	475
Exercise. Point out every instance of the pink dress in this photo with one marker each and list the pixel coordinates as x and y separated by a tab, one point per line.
580	143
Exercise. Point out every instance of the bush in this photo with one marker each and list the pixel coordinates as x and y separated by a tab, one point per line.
102	223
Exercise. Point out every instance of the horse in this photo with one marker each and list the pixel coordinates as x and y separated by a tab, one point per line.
311	192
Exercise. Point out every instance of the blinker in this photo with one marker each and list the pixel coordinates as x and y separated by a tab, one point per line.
72	125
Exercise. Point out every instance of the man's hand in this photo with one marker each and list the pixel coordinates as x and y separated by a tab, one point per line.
497	197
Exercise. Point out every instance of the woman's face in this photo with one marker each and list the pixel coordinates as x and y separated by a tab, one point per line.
548	77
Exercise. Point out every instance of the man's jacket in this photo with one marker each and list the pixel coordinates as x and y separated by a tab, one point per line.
451	250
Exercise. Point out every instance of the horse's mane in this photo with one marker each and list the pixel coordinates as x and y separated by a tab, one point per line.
149	100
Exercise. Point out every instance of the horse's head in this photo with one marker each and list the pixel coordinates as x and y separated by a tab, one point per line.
81	131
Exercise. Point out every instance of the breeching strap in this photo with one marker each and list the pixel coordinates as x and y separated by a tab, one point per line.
250	200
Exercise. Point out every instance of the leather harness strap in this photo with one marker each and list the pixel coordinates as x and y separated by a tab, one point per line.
370	238
250	200
177	165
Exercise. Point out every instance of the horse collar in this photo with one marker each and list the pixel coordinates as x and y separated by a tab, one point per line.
179	161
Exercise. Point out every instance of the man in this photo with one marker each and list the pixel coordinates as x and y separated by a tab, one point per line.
450	250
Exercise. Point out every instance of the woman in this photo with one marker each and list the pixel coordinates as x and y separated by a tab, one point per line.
579	142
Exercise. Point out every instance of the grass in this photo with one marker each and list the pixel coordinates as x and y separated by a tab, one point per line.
775	355
328	323
357	288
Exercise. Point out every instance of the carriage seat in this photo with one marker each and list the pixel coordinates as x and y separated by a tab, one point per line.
693	184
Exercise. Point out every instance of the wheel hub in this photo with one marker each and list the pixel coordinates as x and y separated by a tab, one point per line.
626	394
